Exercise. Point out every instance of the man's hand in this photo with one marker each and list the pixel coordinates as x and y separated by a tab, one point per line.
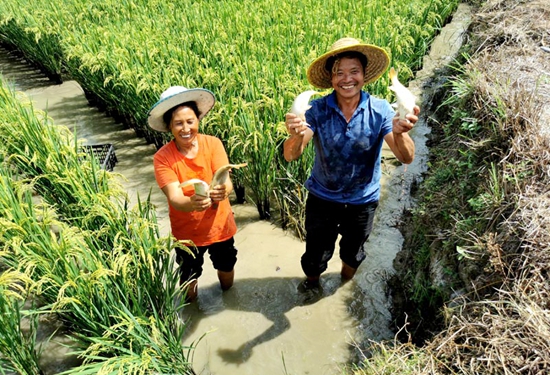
405	125
295	125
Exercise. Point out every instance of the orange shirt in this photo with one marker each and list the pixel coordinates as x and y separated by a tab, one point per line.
206	227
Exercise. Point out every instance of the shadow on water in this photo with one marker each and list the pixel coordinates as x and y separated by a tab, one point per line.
22	76
273	297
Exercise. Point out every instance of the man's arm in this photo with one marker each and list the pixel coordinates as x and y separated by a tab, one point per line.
399	139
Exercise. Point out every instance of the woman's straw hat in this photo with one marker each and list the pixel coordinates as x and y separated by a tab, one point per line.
175	95
377	62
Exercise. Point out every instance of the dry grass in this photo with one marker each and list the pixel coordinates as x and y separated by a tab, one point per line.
509	332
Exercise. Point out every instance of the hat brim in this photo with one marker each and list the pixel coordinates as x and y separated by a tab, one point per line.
204	98
377	63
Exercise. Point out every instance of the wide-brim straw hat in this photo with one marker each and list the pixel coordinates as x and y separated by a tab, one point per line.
175	95
377	62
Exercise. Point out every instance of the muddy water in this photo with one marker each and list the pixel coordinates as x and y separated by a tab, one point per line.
262	325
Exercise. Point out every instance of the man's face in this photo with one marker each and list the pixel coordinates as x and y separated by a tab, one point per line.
349	77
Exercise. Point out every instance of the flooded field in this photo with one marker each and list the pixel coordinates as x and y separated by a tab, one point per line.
262	325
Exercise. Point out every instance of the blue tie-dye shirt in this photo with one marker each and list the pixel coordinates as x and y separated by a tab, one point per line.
348	155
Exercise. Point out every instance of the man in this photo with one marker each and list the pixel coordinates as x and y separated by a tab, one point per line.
348	128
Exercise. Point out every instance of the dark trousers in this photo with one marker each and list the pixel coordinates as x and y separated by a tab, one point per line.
325	220
223	256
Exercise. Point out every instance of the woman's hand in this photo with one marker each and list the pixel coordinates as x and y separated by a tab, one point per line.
200	203
219	193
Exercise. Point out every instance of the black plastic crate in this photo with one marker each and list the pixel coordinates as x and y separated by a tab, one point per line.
105	155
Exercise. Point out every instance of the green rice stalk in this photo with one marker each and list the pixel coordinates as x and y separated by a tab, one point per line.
84	275
142	346
17	348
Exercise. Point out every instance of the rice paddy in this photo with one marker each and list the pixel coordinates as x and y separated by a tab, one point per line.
252	54
85	256
68	234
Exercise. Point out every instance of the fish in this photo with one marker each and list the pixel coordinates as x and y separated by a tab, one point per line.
405	100
301	104
220	177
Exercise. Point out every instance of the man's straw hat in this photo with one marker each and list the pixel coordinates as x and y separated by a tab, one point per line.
377	62
174	96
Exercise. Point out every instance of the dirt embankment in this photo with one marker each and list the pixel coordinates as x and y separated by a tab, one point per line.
476	263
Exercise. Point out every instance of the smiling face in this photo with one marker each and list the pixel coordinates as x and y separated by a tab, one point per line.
348	77
184	126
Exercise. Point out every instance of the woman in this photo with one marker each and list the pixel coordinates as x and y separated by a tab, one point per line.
208	221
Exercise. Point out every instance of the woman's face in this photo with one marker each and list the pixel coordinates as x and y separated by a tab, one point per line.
184	126
348	78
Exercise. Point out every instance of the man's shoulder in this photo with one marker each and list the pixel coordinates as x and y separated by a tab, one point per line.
377	104
374	99
320	104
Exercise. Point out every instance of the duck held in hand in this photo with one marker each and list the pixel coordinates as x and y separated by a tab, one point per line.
220	177
301	103
405	100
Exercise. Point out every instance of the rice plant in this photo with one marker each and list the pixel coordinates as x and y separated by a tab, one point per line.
95	291
17	348
94	269
142	346
125	53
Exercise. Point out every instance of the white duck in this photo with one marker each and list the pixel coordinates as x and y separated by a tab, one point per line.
405	100
301	103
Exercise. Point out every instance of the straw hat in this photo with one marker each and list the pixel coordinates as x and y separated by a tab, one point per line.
175	95
377	62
